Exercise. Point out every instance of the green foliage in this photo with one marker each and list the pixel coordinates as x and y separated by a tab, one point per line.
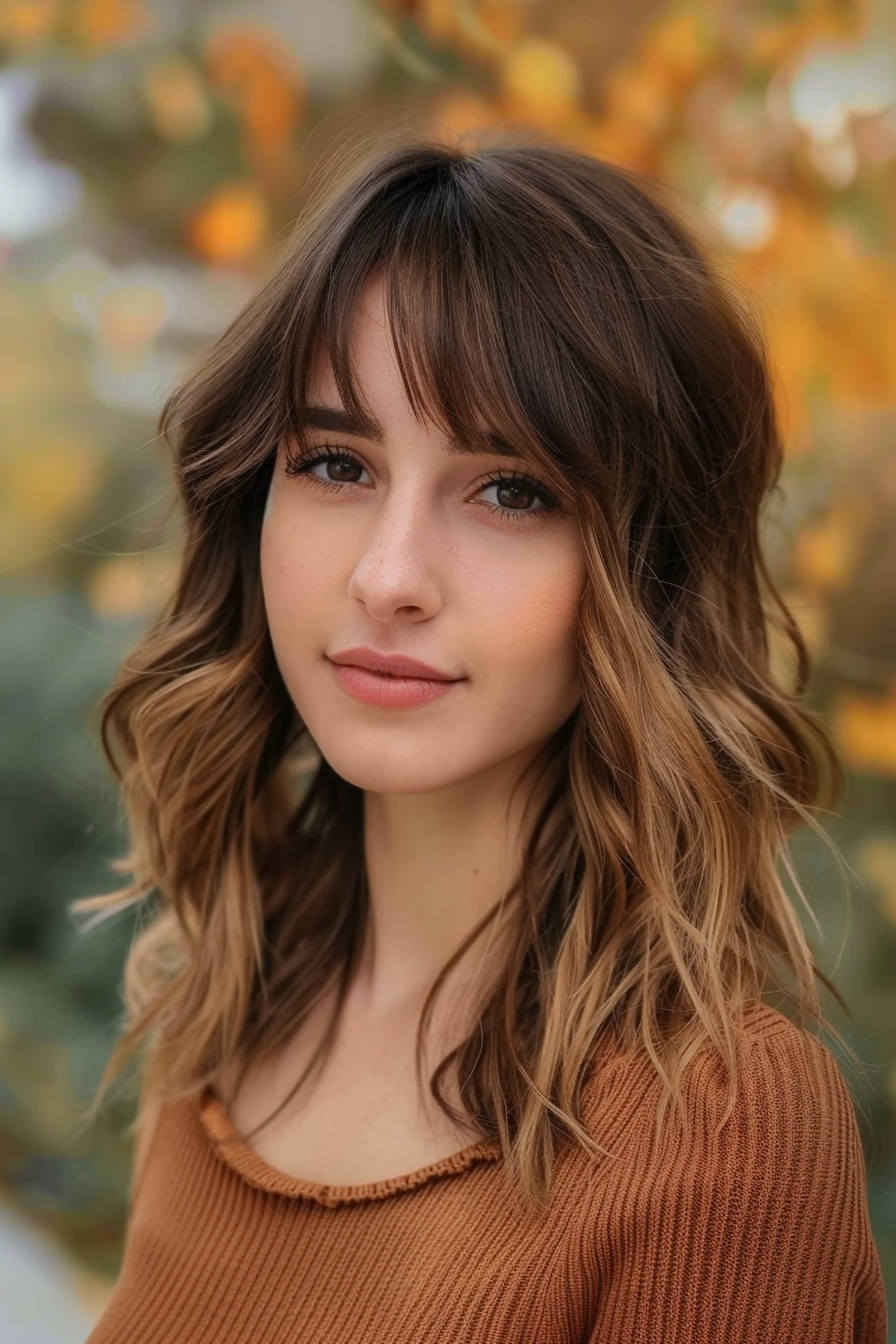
59	996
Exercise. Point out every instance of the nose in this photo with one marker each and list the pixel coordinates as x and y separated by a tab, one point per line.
396	570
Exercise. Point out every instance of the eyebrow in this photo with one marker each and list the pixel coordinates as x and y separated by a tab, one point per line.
339	421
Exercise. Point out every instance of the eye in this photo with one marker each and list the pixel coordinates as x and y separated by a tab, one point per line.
520	489
345	463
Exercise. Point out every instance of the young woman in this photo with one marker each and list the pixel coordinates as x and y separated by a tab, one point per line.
458	777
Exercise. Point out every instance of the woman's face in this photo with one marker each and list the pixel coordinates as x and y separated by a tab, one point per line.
403	555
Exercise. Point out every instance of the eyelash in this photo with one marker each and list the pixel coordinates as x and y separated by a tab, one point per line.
300	466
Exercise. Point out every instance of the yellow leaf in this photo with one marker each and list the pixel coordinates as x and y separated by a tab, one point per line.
866	730
828	306
130	585
108	23
675	50
813	620
27	23
825	553
231	227
42	487
178	103
541	81
53	479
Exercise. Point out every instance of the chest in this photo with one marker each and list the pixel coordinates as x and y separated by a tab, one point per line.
358	1117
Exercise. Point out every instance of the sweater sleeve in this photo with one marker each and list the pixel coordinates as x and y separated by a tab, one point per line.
763	1236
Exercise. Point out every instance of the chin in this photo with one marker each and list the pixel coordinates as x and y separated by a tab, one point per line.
382	778
418	768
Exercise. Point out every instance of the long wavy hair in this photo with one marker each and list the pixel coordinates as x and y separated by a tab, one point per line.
564	302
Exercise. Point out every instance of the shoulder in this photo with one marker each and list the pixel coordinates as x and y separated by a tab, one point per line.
784	1149
756	1226
771	1048
772	1055
146	1121
151	1111
790	1088
785	1138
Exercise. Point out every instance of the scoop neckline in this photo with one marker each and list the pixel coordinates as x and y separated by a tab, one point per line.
241	1157
235	1152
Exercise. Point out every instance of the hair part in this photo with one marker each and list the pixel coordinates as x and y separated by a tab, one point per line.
560	301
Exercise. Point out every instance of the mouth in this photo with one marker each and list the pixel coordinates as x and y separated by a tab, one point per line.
372	686
395	666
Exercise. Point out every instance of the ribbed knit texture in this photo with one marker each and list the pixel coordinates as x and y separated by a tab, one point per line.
759	1236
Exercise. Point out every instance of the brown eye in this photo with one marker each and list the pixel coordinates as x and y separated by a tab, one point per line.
341	467
341	463
520	492
519	495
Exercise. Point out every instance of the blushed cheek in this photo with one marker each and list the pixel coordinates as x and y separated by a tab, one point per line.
530	611
535	640
553	605
303	569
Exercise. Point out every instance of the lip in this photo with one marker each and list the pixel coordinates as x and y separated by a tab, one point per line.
390	692
396	664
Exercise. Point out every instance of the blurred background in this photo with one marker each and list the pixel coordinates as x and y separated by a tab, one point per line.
153	156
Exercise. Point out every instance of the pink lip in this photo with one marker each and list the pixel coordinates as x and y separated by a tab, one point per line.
396	664
376	688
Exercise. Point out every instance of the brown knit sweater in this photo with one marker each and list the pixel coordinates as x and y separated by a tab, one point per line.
759	1236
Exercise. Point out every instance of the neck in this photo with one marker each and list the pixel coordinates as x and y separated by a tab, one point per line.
437	863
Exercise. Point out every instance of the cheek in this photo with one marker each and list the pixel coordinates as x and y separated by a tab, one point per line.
297	565
529	612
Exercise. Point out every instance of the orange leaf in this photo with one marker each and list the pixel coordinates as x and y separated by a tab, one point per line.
676	49
480	30
541	81
825	553
231	227
130	585
632	99
866	731
459	112
27	23
265	87
109	23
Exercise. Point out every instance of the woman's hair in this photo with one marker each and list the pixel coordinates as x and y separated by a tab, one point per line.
561	301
